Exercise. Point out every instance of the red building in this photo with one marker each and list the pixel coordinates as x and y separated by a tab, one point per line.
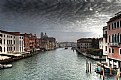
114	41
30	42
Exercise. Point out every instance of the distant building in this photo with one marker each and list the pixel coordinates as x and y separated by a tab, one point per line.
84	44
47	43
67	44
114	41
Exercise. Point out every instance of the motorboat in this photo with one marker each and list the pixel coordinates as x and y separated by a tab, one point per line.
4	66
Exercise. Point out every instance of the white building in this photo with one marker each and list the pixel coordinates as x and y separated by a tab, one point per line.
19	42
11	42
6	42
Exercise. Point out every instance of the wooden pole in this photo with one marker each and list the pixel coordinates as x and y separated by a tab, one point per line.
110	71
118	74
86	66
103	75
90	67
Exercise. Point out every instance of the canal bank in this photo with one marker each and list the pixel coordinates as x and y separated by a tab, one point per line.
91	56
59	64
17	56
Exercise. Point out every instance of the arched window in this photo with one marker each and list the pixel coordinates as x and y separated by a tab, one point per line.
0	49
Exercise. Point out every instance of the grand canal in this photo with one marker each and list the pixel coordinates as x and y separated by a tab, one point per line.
59	64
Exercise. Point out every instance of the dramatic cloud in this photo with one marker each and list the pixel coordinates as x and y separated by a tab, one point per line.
71	18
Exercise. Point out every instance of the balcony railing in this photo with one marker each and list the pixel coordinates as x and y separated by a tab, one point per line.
105	35
114	44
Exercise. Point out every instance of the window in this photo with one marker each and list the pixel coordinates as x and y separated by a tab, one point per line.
0	41
14	48
4	35
118	24
105	48
109	39
115	25
112	50
112	25
14	41
4	41
1	35
4	49
118	37
109	50
113	38
119	50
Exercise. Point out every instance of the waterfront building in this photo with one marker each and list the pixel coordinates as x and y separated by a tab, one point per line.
30	41
47	43
84	44
7	44
18	41
114	41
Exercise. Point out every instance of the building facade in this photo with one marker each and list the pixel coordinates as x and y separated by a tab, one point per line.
47	43
105	42
84	44
114	41
19	42
11	42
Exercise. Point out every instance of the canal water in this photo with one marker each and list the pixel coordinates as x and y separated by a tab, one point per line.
59	64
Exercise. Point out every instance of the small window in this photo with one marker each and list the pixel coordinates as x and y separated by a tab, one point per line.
14	41
14	48
118	24
109	27
109	50
0	41
112	50
4	49
1	35
119	50
105	48
4	41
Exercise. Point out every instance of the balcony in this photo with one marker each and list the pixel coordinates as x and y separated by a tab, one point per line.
105	35
114	44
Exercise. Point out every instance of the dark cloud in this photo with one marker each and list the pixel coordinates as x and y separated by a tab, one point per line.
84	16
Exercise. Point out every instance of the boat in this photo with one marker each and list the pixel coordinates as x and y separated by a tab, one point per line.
101	66
66	47
4	66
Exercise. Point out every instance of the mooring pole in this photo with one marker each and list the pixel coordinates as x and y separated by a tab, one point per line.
90	67
86	66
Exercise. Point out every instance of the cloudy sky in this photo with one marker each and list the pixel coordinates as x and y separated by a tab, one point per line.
66	20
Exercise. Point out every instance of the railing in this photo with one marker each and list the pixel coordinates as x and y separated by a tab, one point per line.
114	44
